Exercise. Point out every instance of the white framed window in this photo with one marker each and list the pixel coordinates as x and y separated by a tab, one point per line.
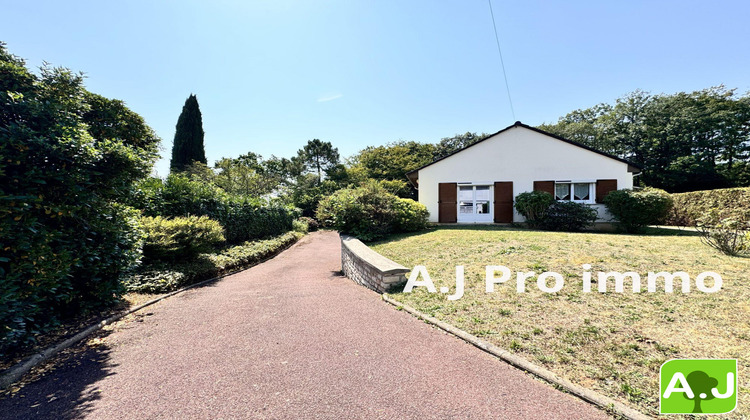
578	192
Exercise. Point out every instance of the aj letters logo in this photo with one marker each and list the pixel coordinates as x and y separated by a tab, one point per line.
698	386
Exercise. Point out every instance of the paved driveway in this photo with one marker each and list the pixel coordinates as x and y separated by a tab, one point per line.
288	339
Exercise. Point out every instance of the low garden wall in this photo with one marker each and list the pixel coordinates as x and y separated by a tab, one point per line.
368	268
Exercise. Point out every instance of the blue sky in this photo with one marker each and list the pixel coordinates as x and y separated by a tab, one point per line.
272	74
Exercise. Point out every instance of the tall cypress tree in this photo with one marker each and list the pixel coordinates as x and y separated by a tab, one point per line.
188	138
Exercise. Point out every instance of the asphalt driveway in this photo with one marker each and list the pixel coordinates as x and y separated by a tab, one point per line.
287	339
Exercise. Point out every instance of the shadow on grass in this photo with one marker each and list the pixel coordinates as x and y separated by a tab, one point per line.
67	392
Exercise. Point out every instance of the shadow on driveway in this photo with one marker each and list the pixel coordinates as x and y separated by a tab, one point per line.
67	392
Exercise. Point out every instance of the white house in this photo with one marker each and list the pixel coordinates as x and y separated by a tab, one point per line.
478	183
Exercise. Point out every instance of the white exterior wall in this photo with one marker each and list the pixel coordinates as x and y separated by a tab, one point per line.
522	156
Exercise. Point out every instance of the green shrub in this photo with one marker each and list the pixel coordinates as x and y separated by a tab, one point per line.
180	237
300	226
370	212
635	210
533	206
68	160
243	218
411	216
568	216
690	207
312	224
162	277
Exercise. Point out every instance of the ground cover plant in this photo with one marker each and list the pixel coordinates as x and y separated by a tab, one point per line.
613	343
164	276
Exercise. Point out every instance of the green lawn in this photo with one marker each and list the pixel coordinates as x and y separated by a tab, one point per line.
614	342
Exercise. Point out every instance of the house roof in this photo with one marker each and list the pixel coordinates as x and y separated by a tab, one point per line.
413	176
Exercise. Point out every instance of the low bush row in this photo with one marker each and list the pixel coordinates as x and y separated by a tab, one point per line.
542	211
567	216
633	210
243	219
163	276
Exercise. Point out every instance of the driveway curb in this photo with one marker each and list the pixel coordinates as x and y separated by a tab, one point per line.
14	373
604	402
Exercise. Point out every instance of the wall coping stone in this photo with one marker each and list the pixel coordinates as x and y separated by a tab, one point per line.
377	261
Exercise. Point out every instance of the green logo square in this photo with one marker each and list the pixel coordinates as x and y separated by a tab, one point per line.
698	386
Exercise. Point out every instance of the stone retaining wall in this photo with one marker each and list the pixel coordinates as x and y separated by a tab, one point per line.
368	268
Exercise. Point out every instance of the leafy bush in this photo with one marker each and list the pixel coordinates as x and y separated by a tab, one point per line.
690	207
162	277
635	210
370	212
69	159
411	216
243	218
300	226
533	206
568	216
312	224
180	237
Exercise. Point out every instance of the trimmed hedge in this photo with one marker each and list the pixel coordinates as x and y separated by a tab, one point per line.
243	219
162	277
725	203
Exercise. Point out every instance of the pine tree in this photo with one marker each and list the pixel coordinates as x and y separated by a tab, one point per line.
188	138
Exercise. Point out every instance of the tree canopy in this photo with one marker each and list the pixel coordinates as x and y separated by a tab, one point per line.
318	156
448	145
683	141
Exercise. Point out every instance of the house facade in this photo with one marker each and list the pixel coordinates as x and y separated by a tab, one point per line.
479	183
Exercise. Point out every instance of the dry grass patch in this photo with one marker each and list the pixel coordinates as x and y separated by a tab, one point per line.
614	342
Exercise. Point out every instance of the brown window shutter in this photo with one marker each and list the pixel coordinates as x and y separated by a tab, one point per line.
604	187
503	202
447	202
546	186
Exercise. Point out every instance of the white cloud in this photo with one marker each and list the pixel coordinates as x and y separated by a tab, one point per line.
326	98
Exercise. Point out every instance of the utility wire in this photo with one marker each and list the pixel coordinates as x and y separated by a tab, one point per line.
502	64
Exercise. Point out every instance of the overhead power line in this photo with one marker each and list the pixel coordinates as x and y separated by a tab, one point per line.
502	64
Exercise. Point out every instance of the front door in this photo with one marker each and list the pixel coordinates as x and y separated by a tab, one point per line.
474	204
